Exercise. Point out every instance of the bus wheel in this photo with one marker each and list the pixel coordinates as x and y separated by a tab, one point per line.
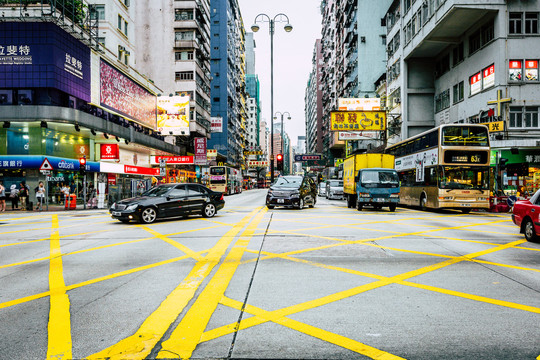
423	201
466	211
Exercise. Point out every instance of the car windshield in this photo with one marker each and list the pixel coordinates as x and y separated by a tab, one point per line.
336	183
157	191
288	181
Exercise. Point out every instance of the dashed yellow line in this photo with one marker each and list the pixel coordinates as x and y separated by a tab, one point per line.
140	344
59	327
186	336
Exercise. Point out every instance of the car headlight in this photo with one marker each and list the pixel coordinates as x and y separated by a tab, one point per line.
132	207
482	198
364	195
443	198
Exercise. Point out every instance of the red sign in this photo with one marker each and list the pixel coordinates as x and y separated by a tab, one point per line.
139	170
531	64
200	151
111	179
184	160
515	64
476	83
489	76
109	152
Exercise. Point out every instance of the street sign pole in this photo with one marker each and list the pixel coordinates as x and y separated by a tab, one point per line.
47	192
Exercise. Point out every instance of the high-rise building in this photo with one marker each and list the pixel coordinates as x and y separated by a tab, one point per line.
313	103
228	80
173	49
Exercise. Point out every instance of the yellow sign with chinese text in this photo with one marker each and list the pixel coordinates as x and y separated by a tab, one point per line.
495	126
358	120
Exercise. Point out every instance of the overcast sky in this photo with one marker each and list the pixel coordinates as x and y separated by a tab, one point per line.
293	53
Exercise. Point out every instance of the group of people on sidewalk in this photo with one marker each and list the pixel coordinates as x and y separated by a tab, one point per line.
21	195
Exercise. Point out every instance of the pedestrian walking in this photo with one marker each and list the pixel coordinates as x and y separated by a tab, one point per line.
23	195
14	196
65	191
2	197
40	196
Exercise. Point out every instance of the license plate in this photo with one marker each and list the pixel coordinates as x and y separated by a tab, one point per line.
117	213
379	200
280	201
466	205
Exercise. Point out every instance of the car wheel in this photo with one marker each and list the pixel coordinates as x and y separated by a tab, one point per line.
359	206
270	206
528	230
209	210
148	215
301	204
393	207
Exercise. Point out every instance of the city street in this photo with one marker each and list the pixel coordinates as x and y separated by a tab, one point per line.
252	283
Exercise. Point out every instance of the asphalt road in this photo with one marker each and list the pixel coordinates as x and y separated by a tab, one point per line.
253	283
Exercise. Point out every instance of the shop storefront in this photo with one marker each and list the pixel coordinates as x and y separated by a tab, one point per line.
520	173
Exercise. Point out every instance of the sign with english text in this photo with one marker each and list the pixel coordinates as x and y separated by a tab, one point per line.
109	152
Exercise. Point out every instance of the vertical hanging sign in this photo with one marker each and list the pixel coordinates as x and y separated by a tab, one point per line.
200	151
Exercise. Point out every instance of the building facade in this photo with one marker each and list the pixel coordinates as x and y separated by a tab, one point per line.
313	103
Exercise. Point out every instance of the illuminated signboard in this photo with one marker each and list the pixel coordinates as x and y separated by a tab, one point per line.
357	120
476	83
515	70
531	70
173	115
489	76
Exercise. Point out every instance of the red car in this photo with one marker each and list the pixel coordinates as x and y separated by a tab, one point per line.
526	215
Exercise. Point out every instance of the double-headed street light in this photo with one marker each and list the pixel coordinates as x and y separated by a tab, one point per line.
288	28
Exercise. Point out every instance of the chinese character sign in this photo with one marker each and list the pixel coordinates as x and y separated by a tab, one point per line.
489	76
514	70
359	104
476	83
358	120
200	151
531	70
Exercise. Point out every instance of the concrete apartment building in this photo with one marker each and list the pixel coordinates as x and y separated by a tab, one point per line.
449	60
313	103
173	49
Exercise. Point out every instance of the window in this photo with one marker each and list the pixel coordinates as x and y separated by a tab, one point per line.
120	22
98	13
442	101
183	14
531	23
531	70
516	21
474	42
184	75
184	35
524	117
126	59
458	54
458	92
488	33
101	40
515	70
216	99
126	28
183	55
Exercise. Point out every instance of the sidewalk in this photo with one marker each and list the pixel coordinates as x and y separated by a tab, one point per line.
53	207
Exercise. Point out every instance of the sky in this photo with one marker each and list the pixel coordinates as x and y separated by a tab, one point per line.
293	53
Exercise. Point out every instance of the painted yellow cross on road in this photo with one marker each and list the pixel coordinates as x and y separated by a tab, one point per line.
499	101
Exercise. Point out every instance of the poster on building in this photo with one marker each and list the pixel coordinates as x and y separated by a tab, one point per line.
358	135
531	70
358	120
514	70
216	124
173	115
489	76
124	96
359	104
476	83
200	151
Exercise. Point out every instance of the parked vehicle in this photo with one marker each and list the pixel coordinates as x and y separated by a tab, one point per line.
292	191
353	164
167	201
377	187
334	189
526	215
322	188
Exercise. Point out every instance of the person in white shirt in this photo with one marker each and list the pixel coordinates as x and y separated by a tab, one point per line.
40	196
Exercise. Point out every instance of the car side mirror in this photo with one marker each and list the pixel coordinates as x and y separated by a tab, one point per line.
356	178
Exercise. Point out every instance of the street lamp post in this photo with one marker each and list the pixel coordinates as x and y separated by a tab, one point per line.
288	28
282	125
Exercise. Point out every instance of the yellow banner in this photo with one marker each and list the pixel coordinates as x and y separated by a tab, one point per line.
495	126
358	120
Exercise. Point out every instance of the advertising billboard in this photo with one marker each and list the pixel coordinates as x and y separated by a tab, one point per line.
173	115
216	124
200	151
357	120
359	104
124	96
109	152
42	55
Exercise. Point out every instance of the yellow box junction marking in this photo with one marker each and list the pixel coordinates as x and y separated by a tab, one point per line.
59	328
185	338
140	344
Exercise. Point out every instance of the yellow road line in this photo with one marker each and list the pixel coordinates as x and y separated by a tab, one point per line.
185	338
324	335
177	245
59	327
140	344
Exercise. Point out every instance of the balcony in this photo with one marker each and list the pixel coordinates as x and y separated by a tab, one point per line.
187	44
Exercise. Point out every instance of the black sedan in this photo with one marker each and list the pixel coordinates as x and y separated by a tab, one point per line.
167	201
292	191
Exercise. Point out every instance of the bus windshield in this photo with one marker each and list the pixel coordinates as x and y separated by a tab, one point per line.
462	178
464	136
217	170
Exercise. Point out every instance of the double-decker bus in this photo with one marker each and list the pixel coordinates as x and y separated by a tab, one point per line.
445	167
225	179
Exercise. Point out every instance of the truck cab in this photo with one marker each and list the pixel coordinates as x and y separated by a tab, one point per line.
377	187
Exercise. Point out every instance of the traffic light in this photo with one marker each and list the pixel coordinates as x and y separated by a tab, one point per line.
82	165
279	158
